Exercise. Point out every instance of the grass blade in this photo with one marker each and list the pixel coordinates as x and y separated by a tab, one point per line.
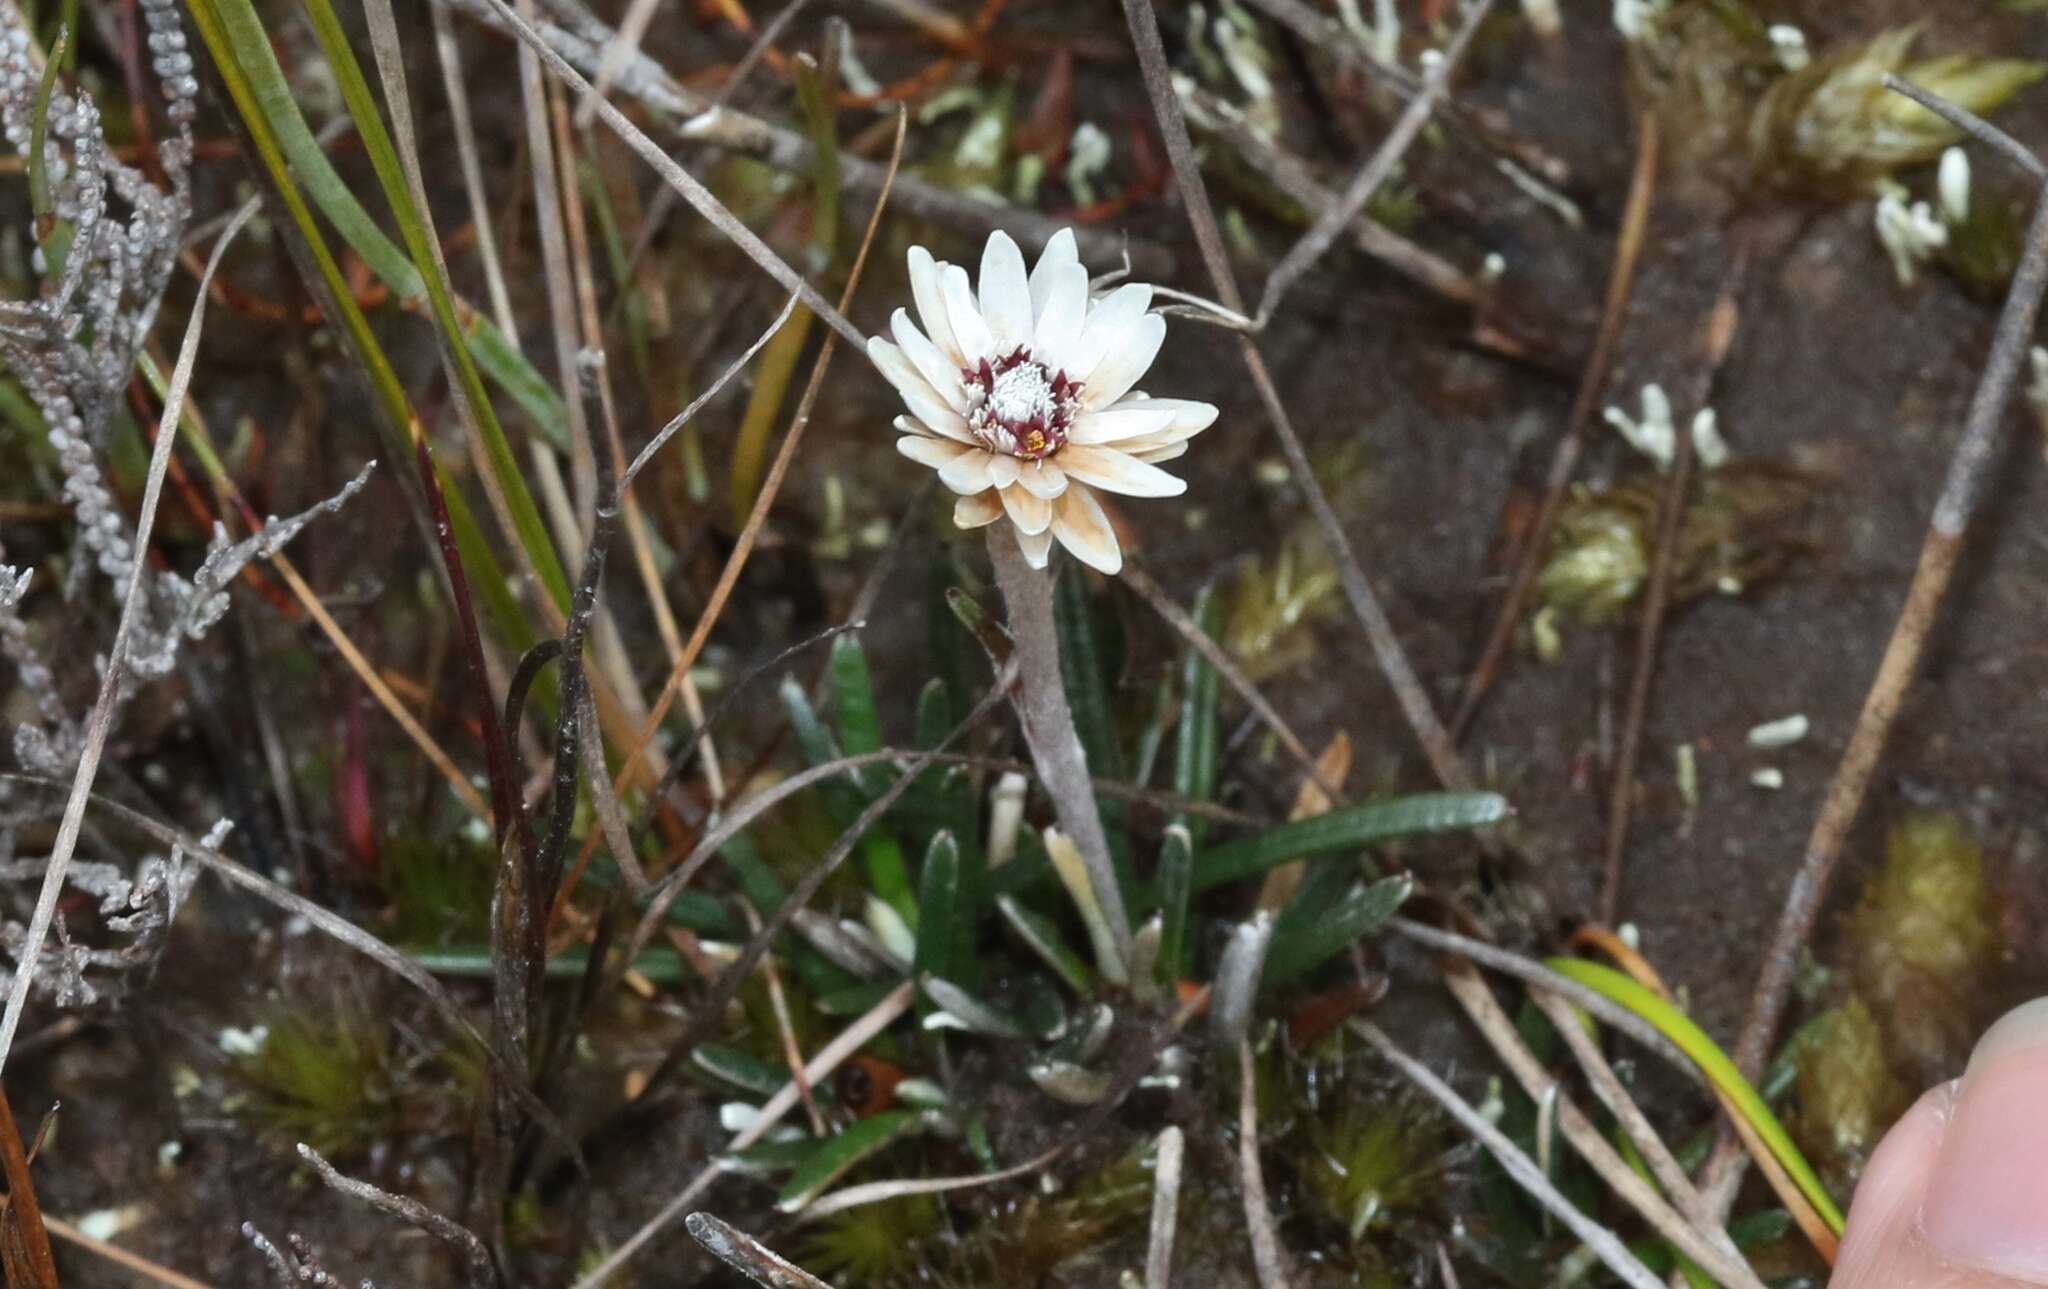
1043	938
1714	1063
1345	830
1176	884
838	1154
944	929
1319	934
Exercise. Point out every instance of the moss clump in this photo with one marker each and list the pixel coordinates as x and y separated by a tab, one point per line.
1743	525
1273	605
1370	1160
1848	1094
1833	124
326	1079
877	1244
1921	942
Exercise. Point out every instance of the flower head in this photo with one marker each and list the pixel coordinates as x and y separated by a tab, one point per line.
1020	396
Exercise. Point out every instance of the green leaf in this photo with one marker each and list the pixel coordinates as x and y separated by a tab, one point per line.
855	1000
427	277
738	1069
1086	674
1320	933
853	696
979	1017
1714	1063
1176	884
757	881
1044	940
835	1155
1347	829
944	930
1195	743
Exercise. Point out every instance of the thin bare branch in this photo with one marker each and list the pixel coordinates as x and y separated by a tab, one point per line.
1605	1244
844	1044
696	194
747	1255
1953	511
476	1260
1267	1258
1705	1243
1316	242
1564	461
1973	125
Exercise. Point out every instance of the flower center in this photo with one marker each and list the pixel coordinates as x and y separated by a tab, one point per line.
1019	406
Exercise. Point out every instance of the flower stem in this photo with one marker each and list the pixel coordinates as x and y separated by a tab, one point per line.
1049	722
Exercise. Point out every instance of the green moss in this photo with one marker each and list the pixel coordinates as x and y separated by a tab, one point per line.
323	1078
878	1244
1921	941
1847	1092
1273	605
1833	124
1369	1160
1744	523
438	889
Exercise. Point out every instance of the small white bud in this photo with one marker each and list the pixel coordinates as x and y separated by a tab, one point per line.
1788	43
1953	182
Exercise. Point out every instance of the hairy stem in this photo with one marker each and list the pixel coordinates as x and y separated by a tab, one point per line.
1049	722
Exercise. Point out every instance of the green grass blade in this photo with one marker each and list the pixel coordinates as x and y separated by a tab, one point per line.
1085	671
485	571
1714	1063
1345	830
836	1155
741	1070
944	929
530	531
1176	884
1197	739
1043	939
1317	934
853	698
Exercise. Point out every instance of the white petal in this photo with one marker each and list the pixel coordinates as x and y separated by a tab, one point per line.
912	425
967	473
1126	356
1057	332
918	395
936	453
1083	529
1005	293
1109	317
1111	469
1058	253
1153	456
1044	478
939	371
970	329
1032	515
977	511
1036	547
1002	469
1189	416
931	302
1116	424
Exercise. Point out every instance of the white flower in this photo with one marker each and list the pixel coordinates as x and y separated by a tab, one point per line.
1021	396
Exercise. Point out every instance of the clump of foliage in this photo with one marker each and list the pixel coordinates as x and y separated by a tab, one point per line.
1741	528
1833	124
1848	1095
327	1078
1273	606
1921	941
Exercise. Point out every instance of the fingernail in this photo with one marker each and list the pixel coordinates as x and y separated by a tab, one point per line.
1987	1202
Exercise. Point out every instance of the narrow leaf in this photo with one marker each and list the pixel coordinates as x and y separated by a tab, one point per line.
1321	932
1345	830
836	1155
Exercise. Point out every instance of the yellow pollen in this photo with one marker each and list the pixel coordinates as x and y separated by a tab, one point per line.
1034	442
